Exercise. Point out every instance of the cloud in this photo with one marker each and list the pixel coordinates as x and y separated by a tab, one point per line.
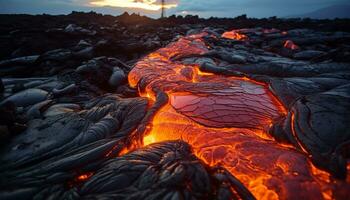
143	4
254	8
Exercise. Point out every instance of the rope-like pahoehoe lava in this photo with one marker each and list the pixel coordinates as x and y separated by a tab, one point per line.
226	121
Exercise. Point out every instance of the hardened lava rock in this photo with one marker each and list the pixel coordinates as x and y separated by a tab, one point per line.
319	125
167	170
54	149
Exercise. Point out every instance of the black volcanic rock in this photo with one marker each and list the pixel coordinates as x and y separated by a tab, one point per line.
2	88
26	97
308	55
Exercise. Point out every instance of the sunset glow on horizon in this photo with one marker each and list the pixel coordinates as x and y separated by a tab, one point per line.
142	4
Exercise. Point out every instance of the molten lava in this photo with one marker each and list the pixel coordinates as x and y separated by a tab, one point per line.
235	35
226	121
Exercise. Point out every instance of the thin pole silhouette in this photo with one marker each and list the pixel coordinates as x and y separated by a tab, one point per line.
163	9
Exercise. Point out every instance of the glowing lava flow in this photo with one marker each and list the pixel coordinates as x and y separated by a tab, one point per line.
234	35
225	119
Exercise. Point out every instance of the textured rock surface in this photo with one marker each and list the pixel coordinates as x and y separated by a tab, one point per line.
249	113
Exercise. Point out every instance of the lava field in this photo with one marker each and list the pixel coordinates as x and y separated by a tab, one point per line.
176	108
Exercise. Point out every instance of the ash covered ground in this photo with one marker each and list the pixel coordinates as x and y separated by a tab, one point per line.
128	107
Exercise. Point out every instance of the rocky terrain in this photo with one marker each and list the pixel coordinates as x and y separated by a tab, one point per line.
127	107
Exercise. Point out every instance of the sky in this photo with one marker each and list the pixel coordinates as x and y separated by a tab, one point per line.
203	8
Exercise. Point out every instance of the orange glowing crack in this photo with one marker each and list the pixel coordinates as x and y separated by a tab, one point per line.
292	124
226	121
83	177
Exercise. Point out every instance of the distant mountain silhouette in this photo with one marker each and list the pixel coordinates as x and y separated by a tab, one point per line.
331	12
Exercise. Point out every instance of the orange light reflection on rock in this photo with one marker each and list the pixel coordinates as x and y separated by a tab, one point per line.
348	175
289	44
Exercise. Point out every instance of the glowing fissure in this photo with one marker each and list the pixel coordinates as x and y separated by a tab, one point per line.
225	120
84	177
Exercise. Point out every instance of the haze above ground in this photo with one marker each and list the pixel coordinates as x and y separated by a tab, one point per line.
203	8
